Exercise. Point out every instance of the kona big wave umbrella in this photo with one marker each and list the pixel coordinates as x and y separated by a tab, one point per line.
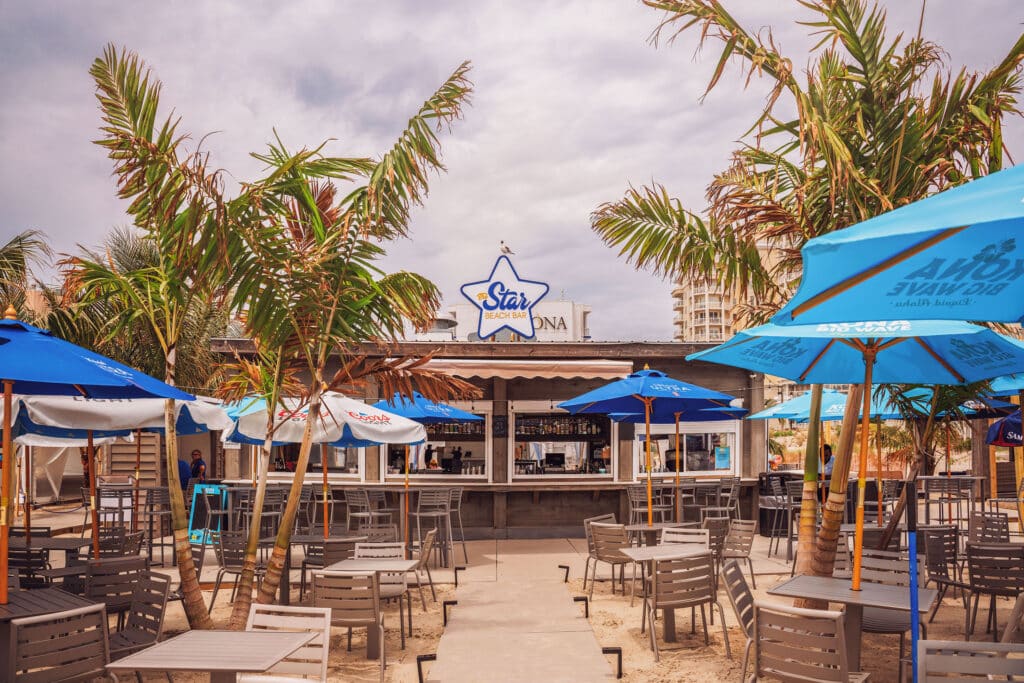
343	422
958	254
422	410
647	392
33	361
887	352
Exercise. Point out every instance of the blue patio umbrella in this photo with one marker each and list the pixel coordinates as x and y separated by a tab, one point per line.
648	392
1008	385
33	361
883	407
955	255
422	410
1005	432
799	407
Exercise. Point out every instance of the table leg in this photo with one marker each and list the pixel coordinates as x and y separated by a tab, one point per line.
854	620
372	643
223	677
789	533
669	629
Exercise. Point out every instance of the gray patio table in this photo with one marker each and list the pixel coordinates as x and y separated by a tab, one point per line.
31	603
71	545
381	566
284	594
223	654
648	553
832	589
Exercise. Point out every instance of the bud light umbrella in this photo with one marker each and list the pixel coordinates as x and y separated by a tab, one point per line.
33	361
958	254
343	422
647	392
422	410
888	352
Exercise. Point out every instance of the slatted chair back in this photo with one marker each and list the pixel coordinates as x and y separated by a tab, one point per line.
309	662
609	540
383	551
145	623
637	495
718	529
62	646
799	644
433	501
352	597
357	501
337	550
730	490
455	498
740	597
379	533
843	561
941	545
889	568
111	541
36	531
942	661
425	549
274	499
693	537
379	498
133	543
683	582
988	527
229	547
13	579
112	580
996	568
28	562
740	538
873	538
795	490
599	519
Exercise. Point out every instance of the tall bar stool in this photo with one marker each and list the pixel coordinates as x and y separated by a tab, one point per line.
359	509
455	512
433	509
730	506
157	513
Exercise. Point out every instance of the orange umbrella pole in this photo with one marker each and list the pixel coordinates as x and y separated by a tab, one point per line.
679	494
5	488
878	467
949	500
650	492
862	469
95	514
138	478
28	495
407	502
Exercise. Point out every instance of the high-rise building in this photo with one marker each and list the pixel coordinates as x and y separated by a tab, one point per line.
704	312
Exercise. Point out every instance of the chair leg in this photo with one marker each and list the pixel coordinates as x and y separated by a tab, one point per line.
462	538
753	581
593	580
383	657
419	584
746	659
431	580
654	635
216	587
586	570
725	631
704	623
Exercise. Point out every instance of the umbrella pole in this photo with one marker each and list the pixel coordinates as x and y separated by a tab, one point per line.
949	501
878	468
679	496
650	497
91	451
862	470
28	496
912	545
138	477
406	526
325	489
5	488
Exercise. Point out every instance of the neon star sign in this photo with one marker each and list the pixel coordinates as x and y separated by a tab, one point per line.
505	300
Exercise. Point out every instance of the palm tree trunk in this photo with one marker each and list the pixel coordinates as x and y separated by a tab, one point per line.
275	567
192	595
243	599
832	515
809	500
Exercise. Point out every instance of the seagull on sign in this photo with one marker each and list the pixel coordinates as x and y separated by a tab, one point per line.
505	249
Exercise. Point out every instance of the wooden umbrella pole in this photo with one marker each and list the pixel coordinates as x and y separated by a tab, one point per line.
406	525
28	495
949	500
95	514
5	488
325	488
650	492
138	478
878	467
862	482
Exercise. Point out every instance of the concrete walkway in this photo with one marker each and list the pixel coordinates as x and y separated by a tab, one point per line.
516	621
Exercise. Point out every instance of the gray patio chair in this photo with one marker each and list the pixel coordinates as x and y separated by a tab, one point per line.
322	555
718	529
994	503
599	519
892	569
145	623
112	582
683	536
942	661
111	541
738	543
359	509
742	601
729	500
28	562
309	662
455	511
988	527
422	556
394	586
678	583
637	494
995	570
379	533
229	548
61	647
794	644
354	601
609	540
198	560
433	512
940	551
133	544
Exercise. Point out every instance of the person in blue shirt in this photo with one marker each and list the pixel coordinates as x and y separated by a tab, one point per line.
198	465
826	455
184	473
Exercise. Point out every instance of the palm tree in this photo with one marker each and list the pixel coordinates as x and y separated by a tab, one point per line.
16	258
306	274
880	122
173	196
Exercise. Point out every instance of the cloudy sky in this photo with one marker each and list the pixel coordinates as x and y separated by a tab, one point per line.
571	105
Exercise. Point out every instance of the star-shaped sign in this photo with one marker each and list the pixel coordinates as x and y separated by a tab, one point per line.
505	300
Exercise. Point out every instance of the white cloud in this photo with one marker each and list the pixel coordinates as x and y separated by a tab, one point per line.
571	105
